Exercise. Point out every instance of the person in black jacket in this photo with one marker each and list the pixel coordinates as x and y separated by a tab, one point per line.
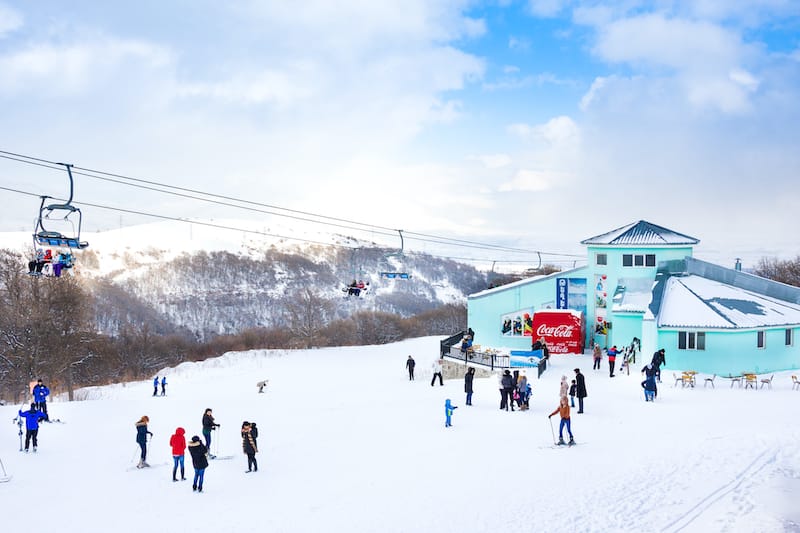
199	453
141	438
468	377
410	364
249	447
580	389
658	359
208	426
507	381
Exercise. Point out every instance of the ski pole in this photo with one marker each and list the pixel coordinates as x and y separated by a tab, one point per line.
552	431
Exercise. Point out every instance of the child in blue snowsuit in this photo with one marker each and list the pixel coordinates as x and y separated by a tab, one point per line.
448	412
32	418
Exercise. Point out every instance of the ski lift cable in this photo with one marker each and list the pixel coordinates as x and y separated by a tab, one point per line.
423	237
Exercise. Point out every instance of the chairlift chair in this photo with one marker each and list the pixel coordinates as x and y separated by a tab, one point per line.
396	275
48	236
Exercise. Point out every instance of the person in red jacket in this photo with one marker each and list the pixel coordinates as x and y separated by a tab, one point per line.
612	357
178	444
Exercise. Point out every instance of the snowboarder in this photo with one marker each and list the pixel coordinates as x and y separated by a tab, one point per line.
40	394
410	364
572	390
249	447
199	461
208	426
468	377
164	386
437	371
448	412
580	390
563	411
141	438
155	386
32	417
178	444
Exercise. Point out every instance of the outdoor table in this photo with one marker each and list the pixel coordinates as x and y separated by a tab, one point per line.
689	378
750	380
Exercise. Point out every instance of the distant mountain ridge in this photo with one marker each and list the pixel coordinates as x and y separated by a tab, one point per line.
208	281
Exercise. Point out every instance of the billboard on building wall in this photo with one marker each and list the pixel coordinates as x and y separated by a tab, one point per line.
563	330
517	324
571	294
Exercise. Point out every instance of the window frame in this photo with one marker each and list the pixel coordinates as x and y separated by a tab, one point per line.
597	259
761	339
692	340
639	260
789	337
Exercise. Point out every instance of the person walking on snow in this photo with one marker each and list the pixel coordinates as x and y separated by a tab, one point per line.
155	386
437	371
178	444
141	438
522	391
564	387
199	454
32	417
563	411
249	447
580	390
208	426
40	394
448	412
597	354
612	357
507	399
468	377
410	364
659	359
164	386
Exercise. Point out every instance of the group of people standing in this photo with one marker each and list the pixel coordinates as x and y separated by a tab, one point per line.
163	386
200	451
513	388
37	413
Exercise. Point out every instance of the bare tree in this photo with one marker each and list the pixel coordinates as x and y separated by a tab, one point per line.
785	271
307	314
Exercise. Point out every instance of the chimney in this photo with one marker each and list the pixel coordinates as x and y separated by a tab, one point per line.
738	266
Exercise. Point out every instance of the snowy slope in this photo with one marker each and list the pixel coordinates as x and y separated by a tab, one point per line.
347	443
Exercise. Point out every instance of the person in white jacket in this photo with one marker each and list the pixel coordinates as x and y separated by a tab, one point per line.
437	371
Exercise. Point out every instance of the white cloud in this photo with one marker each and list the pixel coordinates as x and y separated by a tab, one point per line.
519	43
10	20
547	8
559	130
492	160
528	180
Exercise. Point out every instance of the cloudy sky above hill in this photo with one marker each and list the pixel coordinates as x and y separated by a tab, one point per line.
535	124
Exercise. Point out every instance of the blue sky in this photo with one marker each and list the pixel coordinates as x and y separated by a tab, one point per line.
535	123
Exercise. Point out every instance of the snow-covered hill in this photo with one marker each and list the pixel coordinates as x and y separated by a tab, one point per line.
211	280
348	443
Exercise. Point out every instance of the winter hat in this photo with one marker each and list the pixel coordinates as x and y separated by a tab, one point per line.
245	424
195	439
33	406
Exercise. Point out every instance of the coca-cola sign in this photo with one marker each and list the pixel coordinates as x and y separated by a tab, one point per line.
562	330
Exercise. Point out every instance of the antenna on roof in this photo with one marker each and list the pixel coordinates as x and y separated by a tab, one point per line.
738	265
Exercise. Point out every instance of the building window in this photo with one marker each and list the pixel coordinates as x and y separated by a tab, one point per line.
601	259
691	340
639	260
761	339
789	337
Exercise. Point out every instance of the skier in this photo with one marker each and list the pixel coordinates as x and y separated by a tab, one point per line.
155	386
448	412
164	386
178	444
468	377
199	461
32	417
40	394
208	426
141	438
563	411
410	364
249	447
437	371
659	359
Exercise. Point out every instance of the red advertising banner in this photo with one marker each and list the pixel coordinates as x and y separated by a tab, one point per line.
562	329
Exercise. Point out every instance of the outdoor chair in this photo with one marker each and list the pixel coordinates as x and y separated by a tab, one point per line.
735	379
710	380
678	379
795	383
767	381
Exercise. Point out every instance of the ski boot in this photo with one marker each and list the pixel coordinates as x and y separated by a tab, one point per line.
571	442
561	441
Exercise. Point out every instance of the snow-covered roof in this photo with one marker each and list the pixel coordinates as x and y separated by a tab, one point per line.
641	233
525	281
633	295
696	302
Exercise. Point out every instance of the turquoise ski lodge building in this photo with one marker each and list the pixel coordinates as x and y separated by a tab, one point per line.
642	281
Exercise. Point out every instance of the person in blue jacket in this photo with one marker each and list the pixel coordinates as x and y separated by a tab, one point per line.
163	386
448	412
40	394
155	386
32	417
